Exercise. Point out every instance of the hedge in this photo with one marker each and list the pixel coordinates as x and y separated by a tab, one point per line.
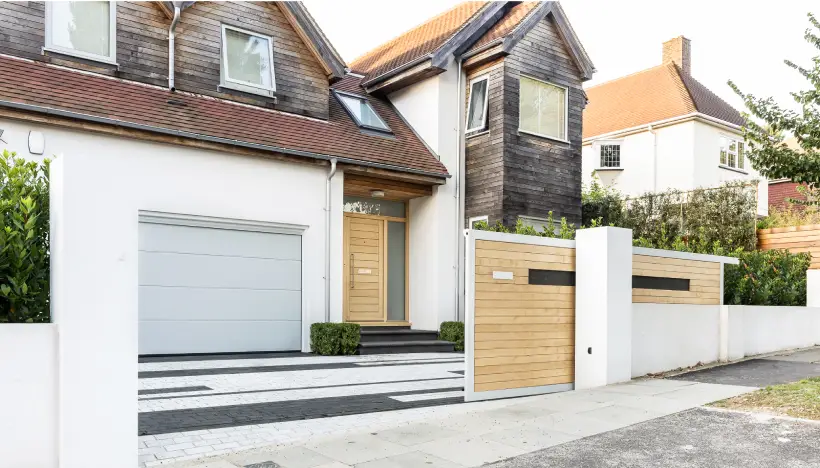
333	339
770	277
454	333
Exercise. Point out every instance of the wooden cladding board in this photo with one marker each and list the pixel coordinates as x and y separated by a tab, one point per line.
524	333
795	239
704	280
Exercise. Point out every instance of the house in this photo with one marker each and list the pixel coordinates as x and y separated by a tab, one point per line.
269	185
783	191
660	128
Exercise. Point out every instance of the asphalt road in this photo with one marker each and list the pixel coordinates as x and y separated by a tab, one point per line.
696	438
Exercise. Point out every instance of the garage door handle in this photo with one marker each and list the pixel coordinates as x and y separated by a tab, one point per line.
352	273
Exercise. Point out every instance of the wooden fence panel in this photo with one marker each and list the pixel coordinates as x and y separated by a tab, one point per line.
794	239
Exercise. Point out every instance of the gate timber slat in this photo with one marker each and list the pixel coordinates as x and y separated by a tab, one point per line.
519	336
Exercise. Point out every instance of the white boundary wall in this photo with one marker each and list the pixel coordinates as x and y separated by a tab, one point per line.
28	395
768	329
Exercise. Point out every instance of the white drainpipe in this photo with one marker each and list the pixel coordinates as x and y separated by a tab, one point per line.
459	190
330	174
654	158
171	34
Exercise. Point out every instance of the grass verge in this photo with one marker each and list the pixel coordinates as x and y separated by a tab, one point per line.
797	399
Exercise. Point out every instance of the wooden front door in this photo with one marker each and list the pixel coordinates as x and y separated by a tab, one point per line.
364	266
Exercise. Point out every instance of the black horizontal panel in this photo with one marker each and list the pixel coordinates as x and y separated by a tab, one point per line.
655	282
552	277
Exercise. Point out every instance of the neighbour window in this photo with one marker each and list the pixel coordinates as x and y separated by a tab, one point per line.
543	108
362	112
478	219
83	29
732	152
247	61
539	224
610	155
477	105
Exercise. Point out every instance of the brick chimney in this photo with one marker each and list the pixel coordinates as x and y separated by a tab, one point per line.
679	52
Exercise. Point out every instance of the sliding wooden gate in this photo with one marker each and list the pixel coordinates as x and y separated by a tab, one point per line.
520	315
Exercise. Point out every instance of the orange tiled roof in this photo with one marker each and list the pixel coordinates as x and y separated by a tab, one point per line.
507	24
415	43
658	93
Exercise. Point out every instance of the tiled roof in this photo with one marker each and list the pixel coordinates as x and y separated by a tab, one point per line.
507	24
47	86
418	42
658	93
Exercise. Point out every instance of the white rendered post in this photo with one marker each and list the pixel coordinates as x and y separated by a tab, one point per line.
813	288
94	306
603	306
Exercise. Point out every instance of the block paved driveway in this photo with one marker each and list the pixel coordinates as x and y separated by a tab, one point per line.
191	406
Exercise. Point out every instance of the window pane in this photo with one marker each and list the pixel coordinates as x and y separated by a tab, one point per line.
82	26
395	270
374	206
740	155
542	108
248	58
478	95
363	112
610	155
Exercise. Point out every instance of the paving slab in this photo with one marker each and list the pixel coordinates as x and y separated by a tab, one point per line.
410	460
415	434
357	448
469	450
807	356
692	439
291	457
754	373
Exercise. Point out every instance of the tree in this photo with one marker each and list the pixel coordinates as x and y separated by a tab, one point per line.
767	124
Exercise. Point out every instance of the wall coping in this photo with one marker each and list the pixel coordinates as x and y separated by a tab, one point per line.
684	255
778	230
518	238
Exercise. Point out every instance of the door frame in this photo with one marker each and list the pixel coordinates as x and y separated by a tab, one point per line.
346	268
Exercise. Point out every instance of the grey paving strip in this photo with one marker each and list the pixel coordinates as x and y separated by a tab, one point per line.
155	391
692	439
161	422
289	389
754	373
222	357
285	368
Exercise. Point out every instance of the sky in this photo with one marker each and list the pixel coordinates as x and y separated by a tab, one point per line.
745	41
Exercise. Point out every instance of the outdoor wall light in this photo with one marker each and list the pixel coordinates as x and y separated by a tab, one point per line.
377	193
36	142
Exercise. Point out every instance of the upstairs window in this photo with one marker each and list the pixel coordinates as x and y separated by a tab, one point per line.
362	112
477	105
610	155
247	61
82	29
732	153
543	109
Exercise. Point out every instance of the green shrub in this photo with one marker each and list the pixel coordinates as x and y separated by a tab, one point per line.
770	277
24	241
454	333
333	339
565	230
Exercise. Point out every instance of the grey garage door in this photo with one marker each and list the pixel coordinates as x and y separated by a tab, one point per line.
207	290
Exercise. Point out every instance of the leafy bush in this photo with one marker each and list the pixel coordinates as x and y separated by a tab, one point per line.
24	242
454	333
565	230
791	215
770	277
333	339
601	205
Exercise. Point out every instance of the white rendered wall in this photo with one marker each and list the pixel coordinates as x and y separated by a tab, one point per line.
603	306
768	329
431	108
28	395
637	176
669	336
176	179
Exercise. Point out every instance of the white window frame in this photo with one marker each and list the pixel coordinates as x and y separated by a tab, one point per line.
112	37
341	94
476	219
738	141
241	85
566	110
470	102
598	145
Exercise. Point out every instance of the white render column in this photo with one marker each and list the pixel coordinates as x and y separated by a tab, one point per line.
812	288
603	306
94	307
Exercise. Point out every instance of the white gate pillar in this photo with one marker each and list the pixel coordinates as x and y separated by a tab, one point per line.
94	305
603	306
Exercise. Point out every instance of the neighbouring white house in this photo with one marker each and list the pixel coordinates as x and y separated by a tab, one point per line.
660	128
251	183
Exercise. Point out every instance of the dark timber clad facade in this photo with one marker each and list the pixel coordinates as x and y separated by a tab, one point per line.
509	173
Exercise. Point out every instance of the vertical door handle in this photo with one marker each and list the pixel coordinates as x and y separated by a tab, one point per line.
352	275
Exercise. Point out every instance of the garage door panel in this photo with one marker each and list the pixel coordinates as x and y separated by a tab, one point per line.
197	304
204	271
218	336
232	243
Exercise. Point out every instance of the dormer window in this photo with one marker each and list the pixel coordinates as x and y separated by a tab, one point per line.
362	112
247	61
83	29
